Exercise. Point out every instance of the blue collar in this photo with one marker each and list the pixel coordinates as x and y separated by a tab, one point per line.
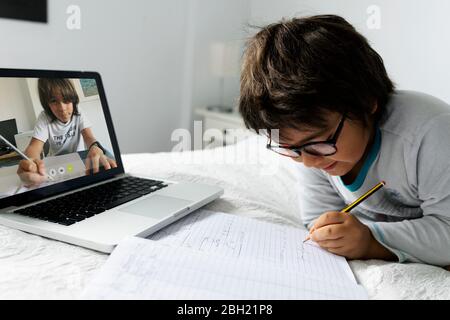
355	185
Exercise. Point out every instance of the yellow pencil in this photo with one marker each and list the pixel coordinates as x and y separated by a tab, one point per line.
359	200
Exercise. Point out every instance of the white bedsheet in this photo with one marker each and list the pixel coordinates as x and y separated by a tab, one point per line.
32	267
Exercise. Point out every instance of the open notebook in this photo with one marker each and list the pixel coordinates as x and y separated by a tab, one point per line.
213	255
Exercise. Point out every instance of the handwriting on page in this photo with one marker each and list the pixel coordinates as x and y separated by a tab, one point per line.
213	255
235	237
145	269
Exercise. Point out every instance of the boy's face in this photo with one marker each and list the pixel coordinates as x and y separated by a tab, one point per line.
62	110
351	146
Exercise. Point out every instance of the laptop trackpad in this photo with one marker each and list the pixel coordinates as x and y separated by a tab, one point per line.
156	206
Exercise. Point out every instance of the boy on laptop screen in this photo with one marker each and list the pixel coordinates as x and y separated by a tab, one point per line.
63	144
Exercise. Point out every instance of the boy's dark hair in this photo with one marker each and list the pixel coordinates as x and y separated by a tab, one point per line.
296	69
47	88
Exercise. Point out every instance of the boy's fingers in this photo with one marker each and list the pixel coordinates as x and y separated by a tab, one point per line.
332	244
32	172
330	232
112	163
88	166
26	165
31	167
331	217
339	251
32	178
41	166
95	164
105	163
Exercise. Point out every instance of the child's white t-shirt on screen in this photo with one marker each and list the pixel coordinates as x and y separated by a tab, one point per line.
63	138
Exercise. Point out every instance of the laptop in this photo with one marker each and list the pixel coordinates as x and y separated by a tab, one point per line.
74	204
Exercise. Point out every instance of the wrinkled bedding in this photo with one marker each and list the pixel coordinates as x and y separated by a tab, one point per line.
257	184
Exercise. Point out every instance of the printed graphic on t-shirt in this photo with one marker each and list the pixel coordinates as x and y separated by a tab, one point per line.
61	139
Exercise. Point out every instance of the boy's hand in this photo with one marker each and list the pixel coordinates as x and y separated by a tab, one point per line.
95	158
344	235
32	173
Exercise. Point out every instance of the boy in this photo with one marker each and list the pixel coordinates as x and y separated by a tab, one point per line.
65	127
319	82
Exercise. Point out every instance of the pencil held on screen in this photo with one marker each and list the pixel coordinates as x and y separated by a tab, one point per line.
359	200
23	155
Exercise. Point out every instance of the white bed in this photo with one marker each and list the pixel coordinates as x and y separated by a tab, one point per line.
257	184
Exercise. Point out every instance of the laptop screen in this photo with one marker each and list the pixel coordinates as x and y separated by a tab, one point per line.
61	125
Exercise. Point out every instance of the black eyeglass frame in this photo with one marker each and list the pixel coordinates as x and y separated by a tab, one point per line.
299	149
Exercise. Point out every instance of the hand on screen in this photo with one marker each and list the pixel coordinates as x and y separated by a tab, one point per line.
32	173
97	158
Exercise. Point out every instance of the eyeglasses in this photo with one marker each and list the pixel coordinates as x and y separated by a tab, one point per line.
318	148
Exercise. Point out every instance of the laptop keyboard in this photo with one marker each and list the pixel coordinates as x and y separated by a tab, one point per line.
75	207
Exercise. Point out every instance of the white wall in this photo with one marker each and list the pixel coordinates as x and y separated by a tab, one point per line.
137	46
216	21
93	112
32	85
413	39
15	103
